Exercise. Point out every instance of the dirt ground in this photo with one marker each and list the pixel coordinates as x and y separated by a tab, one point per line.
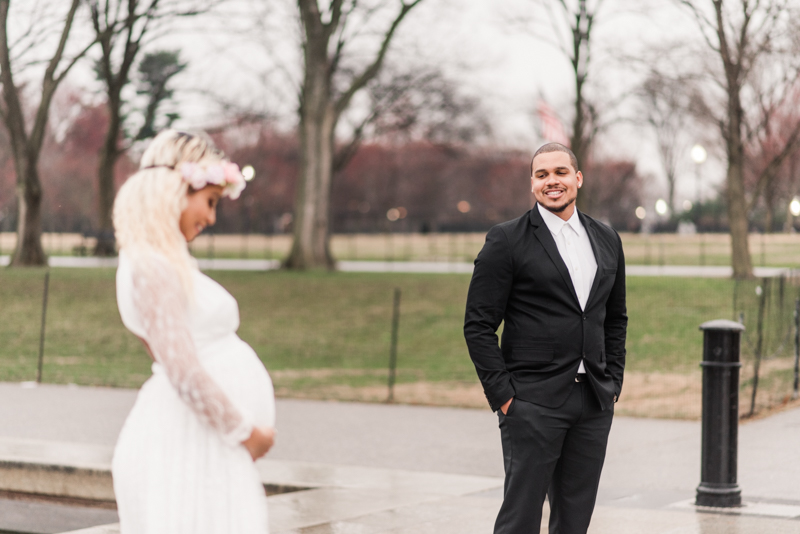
657	395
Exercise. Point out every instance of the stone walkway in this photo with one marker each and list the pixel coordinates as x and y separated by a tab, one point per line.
375	468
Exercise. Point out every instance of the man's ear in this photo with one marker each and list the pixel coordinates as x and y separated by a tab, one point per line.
579	176
531	183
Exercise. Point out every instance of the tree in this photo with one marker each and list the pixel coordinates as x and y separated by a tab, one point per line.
156	70
26	143
579	17
769	172
414	104
122	29
613	190
756	68
666	111
326	92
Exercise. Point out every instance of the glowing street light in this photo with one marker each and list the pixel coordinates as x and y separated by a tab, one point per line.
641	213
661	207
248	172
687	205
794	207
699	154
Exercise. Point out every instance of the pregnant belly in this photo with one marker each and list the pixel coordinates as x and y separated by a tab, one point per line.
234	365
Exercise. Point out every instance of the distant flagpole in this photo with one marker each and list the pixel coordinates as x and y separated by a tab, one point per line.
550	127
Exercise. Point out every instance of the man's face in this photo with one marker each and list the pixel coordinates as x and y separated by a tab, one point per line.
555	183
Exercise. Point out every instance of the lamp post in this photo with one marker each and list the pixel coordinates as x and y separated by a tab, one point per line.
661	207
699	156
794	210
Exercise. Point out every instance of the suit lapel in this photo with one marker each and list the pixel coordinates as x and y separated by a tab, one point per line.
542	233
590	229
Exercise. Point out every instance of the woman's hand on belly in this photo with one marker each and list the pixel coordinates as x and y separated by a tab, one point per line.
260	441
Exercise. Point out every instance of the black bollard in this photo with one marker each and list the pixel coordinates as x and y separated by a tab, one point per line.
718	486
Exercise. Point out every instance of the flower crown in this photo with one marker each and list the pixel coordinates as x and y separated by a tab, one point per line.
224	173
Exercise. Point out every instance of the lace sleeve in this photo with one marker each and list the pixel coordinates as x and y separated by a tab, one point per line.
159	300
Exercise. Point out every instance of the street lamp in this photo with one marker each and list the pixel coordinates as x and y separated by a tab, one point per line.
661	207
699	156
794	207
248	172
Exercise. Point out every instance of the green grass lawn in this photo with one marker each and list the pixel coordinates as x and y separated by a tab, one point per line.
337	321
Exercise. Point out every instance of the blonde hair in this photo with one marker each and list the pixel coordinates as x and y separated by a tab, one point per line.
149	204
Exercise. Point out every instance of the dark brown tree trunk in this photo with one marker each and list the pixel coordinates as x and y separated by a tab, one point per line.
109	154
581	136
769	211
737	216
29	251
319	111
310	246
737	203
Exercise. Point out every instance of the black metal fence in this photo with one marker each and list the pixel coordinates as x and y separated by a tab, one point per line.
768	308
321	331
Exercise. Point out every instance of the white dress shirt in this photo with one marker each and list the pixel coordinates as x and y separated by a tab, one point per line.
573	244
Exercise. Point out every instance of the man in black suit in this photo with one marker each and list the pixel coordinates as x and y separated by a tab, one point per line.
556	278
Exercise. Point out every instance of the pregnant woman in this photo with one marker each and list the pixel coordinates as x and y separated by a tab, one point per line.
184	462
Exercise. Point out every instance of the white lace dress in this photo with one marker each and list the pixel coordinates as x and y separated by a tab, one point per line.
179	466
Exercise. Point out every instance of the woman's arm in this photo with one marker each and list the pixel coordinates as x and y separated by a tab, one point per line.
159	299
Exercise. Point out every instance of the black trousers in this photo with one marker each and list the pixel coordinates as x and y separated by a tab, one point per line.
556	453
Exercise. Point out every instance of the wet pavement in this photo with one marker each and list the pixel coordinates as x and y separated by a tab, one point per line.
372	468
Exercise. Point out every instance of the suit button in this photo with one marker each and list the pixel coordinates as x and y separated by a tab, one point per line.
584	317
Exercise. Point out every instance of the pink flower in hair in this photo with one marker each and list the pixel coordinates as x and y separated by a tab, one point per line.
232	173
215	175
234	179
194	175
225	173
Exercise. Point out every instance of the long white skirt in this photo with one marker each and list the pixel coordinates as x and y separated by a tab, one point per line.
174	475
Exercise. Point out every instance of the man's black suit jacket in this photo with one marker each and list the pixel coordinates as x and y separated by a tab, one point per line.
521	279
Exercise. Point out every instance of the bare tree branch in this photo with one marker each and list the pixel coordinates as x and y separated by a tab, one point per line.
370	71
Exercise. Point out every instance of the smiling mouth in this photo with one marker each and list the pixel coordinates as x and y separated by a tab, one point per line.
554	193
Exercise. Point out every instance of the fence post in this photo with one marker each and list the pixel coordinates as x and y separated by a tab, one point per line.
796	347
762	301
702	249
41	331
393	346
720	427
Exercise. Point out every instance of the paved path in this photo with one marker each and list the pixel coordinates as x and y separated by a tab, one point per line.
428	469
697	271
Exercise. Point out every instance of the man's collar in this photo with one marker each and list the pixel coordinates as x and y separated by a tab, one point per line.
555	223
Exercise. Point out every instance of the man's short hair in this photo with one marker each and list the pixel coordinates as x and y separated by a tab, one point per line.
556	147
